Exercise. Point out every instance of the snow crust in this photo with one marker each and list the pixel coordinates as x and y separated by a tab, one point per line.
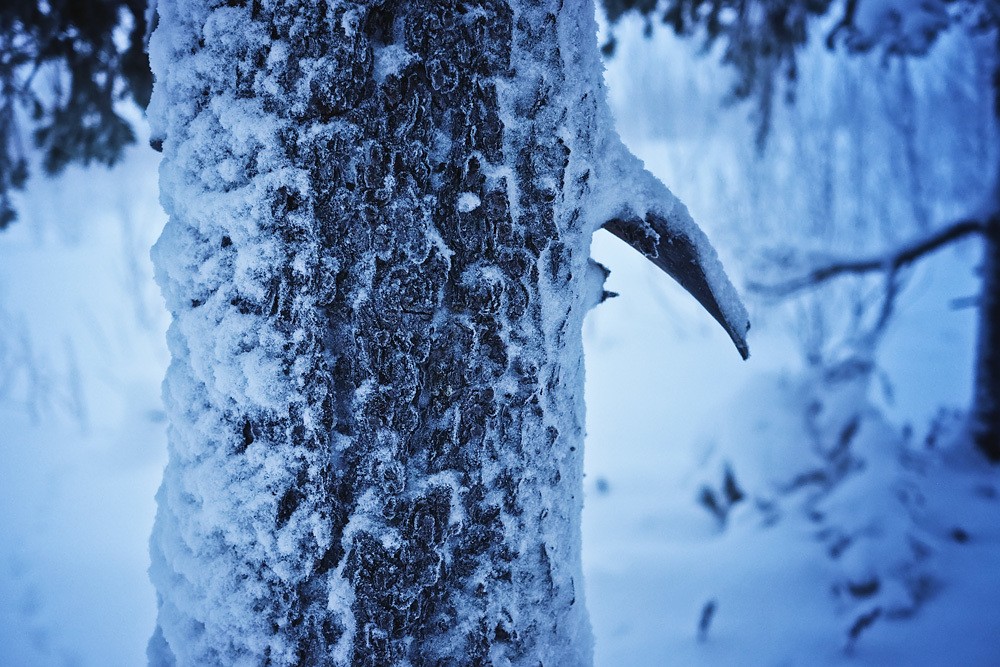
468	201
225	361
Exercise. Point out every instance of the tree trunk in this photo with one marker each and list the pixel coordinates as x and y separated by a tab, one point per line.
985	418
986	402
377	261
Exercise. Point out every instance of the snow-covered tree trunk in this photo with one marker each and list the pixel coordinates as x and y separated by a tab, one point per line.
377	261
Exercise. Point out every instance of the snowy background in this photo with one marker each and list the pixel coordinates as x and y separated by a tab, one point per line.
885	551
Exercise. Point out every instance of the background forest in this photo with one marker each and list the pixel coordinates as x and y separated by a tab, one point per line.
819	504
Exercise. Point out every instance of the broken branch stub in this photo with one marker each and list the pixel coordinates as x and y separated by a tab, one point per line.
677	255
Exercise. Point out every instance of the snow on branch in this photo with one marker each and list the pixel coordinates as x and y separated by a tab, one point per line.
889	262
640	210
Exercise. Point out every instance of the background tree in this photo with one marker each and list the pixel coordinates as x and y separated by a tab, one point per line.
761	41
377	262
64	65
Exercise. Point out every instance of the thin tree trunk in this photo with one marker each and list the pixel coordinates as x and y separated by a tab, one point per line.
986	401
985	418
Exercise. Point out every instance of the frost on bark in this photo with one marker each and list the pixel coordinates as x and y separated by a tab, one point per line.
377	260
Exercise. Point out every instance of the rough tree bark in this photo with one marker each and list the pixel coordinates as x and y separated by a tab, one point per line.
377	261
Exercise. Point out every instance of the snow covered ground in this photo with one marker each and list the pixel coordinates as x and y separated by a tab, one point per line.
82	433
670	405
669	401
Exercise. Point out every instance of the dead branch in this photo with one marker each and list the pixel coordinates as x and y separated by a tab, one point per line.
890	262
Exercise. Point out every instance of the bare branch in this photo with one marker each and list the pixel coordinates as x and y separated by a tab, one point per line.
890	262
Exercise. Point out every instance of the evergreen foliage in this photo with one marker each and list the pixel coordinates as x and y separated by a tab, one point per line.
63	66
761	39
